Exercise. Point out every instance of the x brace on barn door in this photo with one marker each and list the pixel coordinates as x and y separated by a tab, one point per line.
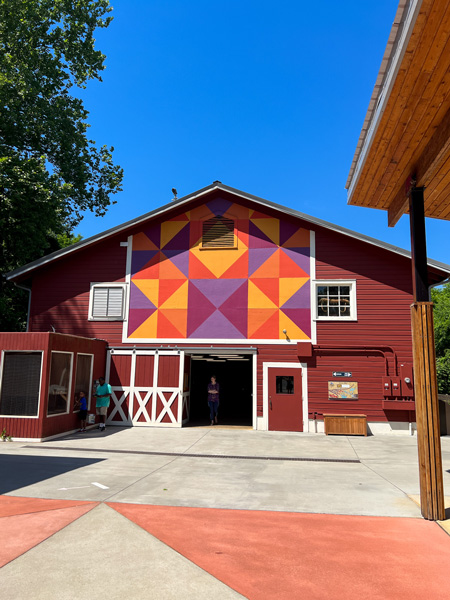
147	387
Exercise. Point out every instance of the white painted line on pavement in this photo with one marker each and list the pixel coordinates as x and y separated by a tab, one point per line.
74	488
100	485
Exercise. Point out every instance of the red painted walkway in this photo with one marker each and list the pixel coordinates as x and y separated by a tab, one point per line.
267	555
294	555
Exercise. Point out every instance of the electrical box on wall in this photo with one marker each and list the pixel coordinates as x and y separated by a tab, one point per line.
406	379
396	387
387	386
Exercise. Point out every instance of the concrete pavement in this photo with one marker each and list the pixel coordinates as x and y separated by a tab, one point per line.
112	492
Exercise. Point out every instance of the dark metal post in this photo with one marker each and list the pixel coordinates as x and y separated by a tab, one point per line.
418	246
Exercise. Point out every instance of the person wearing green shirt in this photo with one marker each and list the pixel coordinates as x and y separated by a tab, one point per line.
102	395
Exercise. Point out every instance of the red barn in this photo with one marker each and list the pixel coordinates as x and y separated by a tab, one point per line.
295	316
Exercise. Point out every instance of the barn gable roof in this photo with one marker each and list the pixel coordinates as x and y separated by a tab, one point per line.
26	271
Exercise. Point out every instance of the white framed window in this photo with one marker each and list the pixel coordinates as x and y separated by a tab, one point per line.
107	302
59	383
83	379
335	300
20	385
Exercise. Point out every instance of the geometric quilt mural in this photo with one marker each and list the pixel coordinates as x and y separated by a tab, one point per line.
254	290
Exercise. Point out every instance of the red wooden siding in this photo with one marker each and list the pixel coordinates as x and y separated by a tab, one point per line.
60	298
45	426
144	371
60	292
169	371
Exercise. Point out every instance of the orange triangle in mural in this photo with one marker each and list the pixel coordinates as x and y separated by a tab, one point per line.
257	317
270	228
147	329
288	268
197	269
177	318
167	270
300	239
269	287
166	325
177	299
239	269
167	287
141	242
292	330
270	268
270	330
169	229
237	211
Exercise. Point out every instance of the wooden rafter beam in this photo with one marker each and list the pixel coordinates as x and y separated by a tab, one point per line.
436	152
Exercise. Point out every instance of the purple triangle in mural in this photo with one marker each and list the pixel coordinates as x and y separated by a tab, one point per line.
217	327
287	230
235	308
301	317
140	258
217	290
154	234
258	239
199	308
300	256
301	298
219	206
179	258
138	299
180	241
257	257
137	317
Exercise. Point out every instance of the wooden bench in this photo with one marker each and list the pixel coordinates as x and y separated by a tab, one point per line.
345	424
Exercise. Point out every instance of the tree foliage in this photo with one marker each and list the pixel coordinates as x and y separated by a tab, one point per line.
50	171
441	298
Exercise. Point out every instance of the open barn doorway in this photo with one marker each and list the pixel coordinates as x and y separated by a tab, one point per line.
234	375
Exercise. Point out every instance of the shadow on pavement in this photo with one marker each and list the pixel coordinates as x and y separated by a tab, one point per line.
21	471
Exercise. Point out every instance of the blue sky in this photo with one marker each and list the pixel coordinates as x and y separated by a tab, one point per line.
265	97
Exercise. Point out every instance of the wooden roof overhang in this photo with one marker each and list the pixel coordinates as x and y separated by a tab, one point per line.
405	139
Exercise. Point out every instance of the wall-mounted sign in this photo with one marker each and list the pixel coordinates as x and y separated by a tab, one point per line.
338	390
341	374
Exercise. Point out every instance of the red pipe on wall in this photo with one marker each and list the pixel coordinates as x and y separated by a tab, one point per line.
359	348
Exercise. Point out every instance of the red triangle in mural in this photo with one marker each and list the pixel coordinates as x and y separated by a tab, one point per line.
151	269
269	287
288	268
197	269
166	328
167	287
182	217
270	329
259	215
239	269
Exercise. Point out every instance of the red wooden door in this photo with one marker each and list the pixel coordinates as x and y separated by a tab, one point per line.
285	399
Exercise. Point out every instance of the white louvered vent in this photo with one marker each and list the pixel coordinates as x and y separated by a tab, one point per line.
107	303
218	232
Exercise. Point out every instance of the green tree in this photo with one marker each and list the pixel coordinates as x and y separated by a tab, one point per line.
441	298
50	171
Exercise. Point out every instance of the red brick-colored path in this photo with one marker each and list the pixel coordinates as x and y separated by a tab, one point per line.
295	555
26	522
262	555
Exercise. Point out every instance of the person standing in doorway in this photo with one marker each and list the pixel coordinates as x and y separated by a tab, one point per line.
102	395
213	400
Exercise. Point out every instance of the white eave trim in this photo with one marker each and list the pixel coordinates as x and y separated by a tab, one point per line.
380	96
